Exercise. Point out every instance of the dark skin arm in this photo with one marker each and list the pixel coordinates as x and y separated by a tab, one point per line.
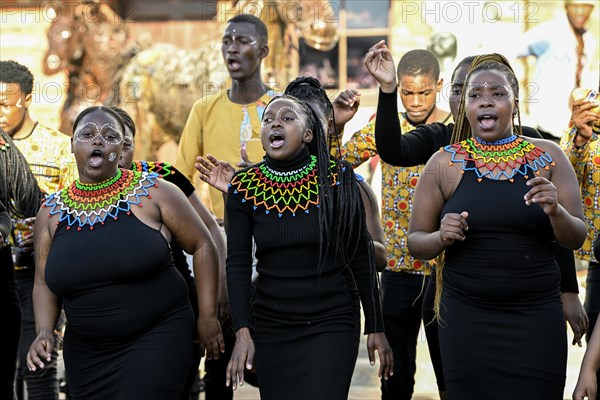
217	235
587	384
428	236
46	305
559	196
374	227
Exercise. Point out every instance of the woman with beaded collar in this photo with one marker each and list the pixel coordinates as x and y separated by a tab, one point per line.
102	250
502	332
315	263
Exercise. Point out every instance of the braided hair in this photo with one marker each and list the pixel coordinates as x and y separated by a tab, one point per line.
341	215
462	131
485	62
19	190
309	89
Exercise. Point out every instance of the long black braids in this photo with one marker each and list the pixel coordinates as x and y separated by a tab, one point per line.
342	220
19	190
462	131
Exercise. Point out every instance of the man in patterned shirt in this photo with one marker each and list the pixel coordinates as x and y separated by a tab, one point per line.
581	143
48	153
402	282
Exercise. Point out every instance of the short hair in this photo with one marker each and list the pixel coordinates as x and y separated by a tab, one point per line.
13	72
107	110
419	62
127	120
261	28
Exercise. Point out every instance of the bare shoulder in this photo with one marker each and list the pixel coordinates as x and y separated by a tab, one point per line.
162	191
547	145
47	219
441	160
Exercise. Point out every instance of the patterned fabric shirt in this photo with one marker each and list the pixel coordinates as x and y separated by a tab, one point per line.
398	186
48	153
586	162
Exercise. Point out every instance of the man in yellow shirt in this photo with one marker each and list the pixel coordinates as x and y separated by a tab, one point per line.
48	153
227	124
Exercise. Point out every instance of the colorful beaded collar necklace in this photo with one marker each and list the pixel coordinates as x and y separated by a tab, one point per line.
278	191
88	204
501	159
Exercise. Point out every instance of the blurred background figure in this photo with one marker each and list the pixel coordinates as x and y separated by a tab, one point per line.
564	48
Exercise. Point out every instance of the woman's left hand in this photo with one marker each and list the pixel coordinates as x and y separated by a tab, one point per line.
210	337
378	341
543	193
575	315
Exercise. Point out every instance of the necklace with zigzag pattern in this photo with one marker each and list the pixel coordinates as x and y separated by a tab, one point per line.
491	160
89	204
159	167
281	191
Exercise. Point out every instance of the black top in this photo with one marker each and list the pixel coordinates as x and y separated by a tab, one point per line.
417	146
171	174
277	203
597	247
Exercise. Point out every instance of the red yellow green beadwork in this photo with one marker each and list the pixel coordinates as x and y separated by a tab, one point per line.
280	192
502	159
87	204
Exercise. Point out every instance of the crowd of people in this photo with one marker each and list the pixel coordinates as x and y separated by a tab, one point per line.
481	222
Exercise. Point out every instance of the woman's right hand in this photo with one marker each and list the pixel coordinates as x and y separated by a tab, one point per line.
241	358
380	64
583	118
453	227
40	351
216	173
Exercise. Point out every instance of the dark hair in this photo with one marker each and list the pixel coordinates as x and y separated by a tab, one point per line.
13	72
341	213
485	62
19	190
127	120
417	63
261	28
107	110
310	90
465	61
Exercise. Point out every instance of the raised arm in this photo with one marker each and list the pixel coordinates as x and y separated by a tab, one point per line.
192	235
405	149
46	305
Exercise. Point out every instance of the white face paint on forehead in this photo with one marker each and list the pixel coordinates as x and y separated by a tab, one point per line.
269	121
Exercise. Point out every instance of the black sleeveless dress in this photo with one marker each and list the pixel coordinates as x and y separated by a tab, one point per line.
130	327
502	333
